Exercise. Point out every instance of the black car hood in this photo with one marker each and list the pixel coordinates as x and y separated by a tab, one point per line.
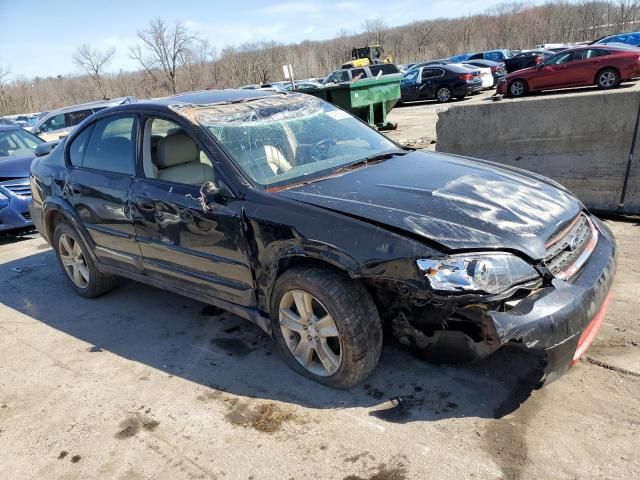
15	167
453	201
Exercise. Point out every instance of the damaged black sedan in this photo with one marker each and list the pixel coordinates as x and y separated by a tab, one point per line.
291	213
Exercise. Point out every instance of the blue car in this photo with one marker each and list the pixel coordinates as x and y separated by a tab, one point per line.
17	150
630	38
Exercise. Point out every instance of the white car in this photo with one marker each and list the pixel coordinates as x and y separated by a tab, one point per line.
485	74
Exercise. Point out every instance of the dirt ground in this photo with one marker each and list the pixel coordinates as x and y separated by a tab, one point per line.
142	383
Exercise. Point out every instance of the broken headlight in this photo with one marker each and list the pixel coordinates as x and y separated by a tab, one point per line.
491	273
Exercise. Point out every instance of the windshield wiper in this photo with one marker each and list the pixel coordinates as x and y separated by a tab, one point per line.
377	158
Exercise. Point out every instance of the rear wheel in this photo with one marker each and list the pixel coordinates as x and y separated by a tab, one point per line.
607	79
77	265
444	94
325	326
518	88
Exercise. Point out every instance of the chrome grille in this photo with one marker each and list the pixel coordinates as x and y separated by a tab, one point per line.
568	251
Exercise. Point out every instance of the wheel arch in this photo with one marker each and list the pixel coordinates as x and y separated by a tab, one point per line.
56	210
329	258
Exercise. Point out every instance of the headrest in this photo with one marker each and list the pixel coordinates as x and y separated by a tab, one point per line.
175	150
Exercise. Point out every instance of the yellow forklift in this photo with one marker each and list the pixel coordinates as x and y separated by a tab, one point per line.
361	57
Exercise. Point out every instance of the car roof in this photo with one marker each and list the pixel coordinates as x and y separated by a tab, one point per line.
205	97
95	104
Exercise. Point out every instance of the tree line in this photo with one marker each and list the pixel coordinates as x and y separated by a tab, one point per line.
172	58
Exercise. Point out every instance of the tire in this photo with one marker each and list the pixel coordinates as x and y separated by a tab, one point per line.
518	88
357	342
65	240
607	79
444	94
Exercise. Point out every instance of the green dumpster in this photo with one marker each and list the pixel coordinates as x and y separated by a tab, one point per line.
370	99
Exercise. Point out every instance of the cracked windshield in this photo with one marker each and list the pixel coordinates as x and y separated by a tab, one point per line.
277	142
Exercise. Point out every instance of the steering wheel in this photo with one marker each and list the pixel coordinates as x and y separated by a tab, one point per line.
320	150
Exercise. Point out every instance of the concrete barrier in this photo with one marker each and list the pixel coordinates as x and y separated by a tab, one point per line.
581	140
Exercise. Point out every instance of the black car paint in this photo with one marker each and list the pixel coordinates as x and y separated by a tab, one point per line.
427	87
527	59
372	223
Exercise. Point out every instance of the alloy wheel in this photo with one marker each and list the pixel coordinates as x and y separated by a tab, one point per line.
517	88
607	79
73	260
444	95
310	333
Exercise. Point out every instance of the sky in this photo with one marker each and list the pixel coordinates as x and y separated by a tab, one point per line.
38	38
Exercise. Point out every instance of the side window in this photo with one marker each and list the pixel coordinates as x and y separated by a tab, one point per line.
495	56
170	154
111	146
358	73
438	72
560	59
54	123
580	55
78	147
593	53
427	73
477	56
74	118
343	76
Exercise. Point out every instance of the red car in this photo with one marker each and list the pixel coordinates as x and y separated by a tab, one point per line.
605	66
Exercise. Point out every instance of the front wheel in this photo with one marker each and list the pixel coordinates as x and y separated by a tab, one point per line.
444	94
518	88
326	326
607	79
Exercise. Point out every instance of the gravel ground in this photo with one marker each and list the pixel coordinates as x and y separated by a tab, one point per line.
142	383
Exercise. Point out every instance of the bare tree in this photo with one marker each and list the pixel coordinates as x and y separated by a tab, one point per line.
163	47
375	30
4	102
93	62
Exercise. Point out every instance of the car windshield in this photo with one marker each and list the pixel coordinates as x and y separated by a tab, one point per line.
16	143
280	141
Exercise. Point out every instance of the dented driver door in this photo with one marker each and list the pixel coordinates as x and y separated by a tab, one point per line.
192	244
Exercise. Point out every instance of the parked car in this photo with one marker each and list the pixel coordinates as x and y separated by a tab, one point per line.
8	122
439	82
498	70
441	61
556	47
246	200
485	74
59	123
495	55
604	67
17	148
370	71
527	59
630	38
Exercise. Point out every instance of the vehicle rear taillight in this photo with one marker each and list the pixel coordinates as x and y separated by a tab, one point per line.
467	77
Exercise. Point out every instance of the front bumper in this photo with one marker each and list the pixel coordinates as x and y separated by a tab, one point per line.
501	88
552	321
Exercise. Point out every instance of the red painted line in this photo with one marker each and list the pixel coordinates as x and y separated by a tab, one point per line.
591	331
